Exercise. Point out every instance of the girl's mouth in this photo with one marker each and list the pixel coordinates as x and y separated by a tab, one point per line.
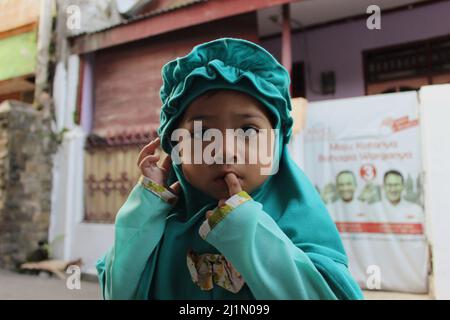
220	179
222	175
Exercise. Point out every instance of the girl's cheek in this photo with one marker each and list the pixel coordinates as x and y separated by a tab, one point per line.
189	172
253	180
251	152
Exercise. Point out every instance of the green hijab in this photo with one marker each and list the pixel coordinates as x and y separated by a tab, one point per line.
287	196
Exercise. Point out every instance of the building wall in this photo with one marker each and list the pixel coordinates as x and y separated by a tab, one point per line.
339	47
26	146
18	13
94	15
20	52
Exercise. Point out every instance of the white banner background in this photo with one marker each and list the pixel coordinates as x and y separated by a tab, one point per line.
349	146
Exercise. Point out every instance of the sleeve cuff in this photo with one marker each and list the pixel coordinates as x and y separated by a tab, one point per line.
221	212
158	190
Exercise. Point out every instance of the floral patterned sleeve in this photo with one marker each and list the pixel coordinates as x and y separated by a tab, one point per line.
158	189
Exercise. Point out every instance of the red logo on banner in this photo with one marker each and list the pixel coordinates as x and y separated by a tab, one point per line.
399	124
368	172
373	227
404	123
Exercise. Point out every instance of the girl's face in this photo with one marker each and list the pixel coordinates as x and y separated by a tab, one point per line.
238	153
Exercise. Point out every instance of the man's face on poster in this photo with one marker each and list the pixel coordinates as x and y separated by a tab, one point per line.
393	186
346	186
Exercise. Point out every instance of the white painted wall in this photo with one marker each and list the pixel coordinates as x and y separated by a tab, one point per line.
435	118
64	95
69	237
90	241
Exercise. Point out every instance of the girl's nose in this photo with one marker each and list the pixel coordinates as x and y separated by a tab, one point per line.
227	153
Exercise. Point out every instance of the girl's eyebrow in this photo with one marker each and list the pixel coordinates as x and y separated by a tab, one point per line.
250	115
200	117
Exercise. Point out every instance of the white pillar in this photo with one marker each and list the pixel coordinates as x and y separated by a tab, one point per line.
67	162
435	129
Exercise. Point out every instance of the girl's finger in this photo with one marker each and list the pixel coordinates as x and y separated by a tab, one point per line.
221	202
175	187
166	163
149	148
208	214
148	159
233	184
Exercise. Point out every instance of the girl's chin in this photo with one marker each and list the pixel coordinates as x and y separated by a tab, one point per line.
219	194
222	194
219	190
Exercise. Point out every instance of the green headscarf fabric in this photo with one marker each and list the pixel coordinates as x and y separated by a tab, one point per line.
288	196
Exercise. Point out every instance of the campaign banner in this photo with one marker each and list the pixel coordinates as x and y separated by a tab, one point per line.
364	157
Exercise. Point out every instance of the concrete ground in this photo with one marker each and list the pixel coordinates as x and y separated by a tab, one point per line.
384	295
14	286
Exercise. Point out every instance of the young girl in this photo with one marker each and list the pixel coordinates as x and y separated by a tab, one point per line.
224	230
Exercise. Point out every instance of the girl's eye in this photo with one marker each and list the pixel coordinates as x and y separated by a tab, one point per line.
250	130
198	135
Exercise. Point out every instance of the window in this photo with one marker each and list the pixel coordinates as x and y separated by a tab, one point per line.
407	66
298	80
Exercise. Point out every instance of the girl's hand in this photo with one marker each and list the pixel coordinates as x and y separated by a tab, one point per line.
233	184
233	187
147	163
